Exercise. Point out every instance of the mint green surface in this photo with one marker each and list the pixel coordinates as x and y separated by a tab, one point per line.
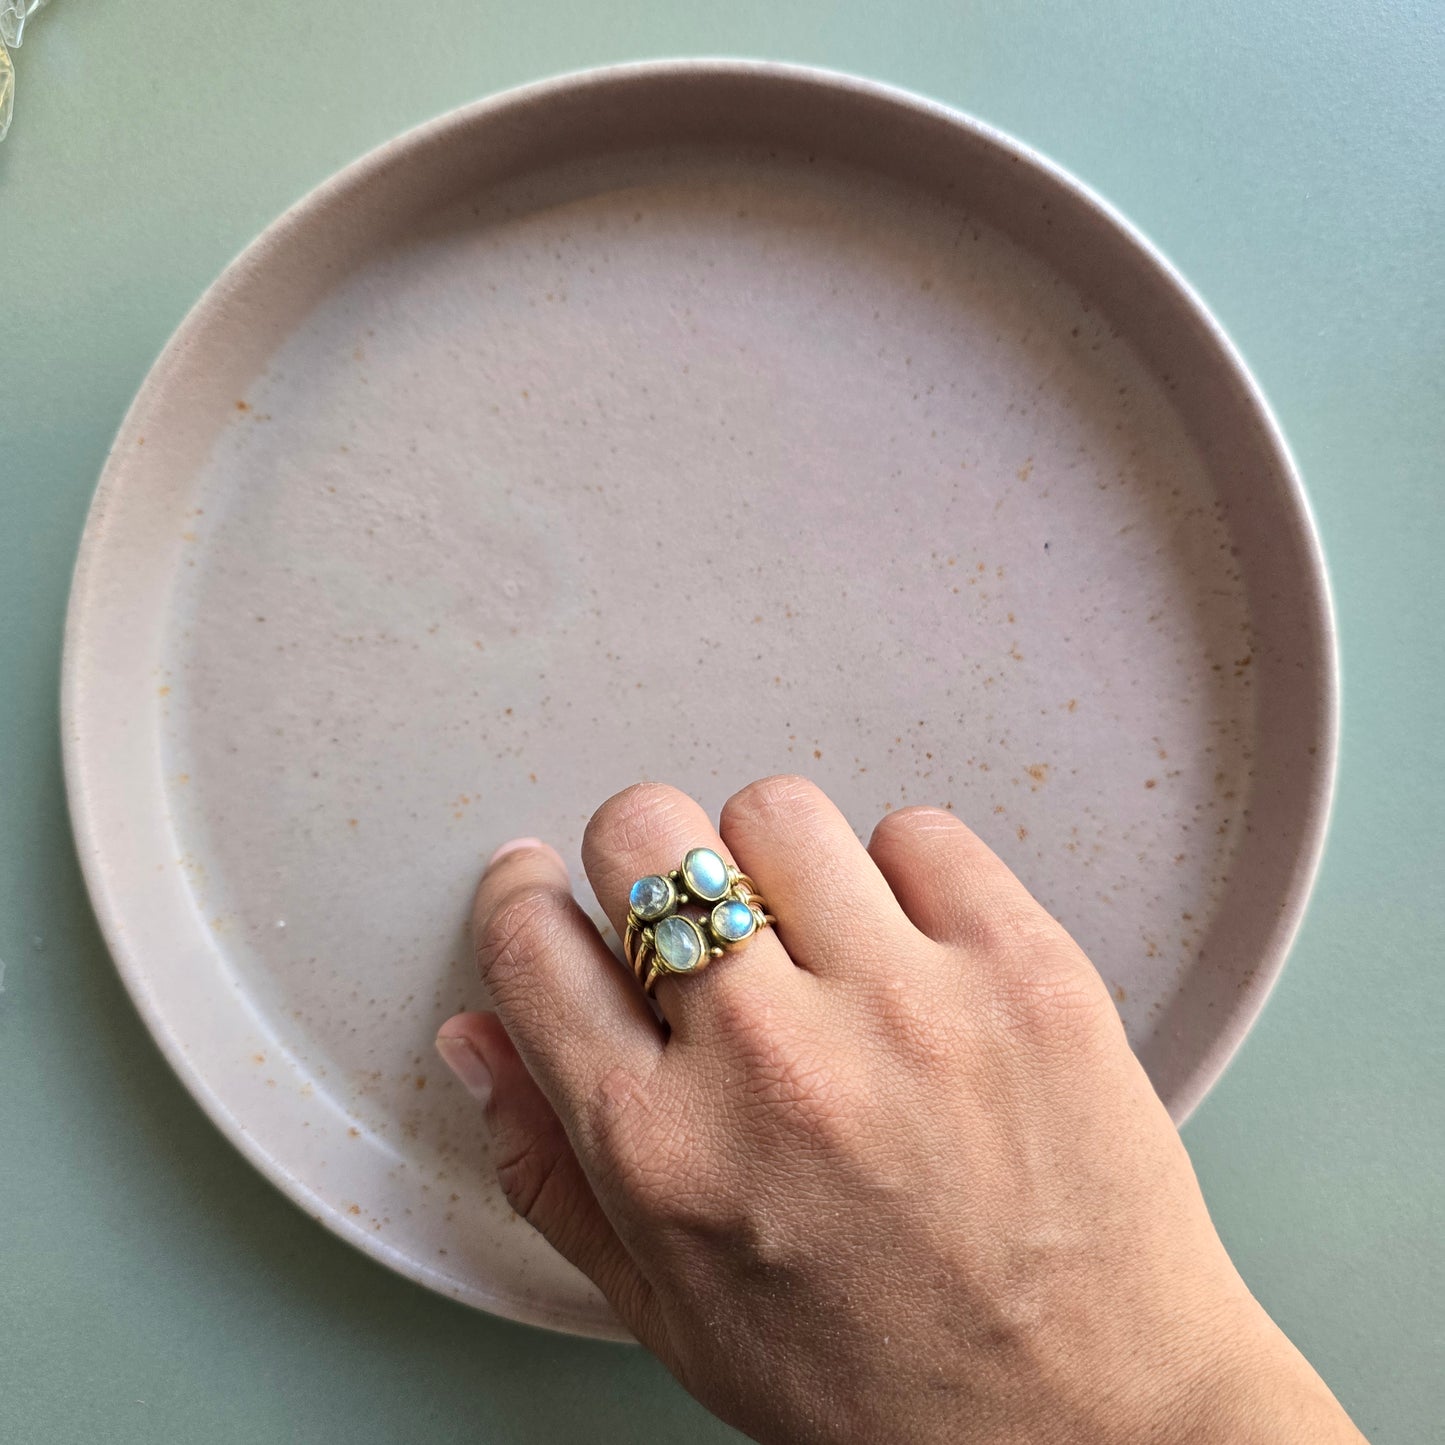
1288	156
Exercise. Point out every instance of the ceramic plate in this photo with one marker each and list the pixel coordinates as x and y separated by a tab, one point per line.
691	422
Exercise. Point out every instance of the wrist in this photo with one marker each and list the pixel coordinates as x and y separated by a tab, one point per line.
1237	1381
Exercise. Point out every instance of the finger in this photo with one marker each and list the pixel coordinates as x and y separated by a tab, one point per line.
571	1010
835	911
538	1168
953	886
647	828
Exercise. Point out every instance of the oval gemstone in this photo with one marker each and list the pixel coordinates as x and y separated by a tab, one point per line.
679	943
705	874
651	897
732	921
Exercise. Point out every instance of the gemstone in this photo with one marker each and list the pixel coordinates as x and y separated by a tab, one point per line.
705	874
680	943
651	897
732	921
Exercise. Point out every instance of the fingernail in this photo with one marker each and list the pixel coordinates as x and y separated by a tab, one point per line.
466	1063
515	846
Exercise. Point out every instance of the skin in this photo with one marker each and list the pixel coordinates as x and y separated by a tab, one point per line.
890	1172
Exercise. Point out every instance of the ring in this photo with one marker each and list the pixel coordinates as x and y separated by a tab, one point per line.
723	910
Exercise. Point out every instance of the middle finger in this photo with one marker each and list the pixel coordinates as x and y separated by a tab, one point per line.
645	829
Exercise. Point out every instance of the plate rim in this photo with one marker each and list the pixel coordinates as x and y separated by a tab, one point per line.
79	763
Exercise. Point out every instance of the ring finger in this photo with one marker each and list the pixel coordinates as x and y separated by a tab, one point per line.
647	829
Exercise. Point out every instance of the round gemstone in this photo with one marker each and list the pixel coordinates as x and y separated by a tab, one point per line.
679	943
732	921
705	874
651	897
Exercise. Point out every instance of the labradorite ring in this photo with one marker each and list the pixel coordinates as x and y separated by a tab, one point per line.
678	922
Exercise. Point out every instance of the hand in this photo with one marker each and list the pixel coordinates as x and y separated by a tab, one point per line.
887	1173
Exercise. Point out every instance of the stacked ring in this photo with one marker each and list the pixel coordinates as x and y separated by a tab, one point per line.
678	922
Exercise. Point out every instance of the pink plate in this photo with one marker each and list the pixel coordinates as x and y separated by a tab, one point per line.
694	422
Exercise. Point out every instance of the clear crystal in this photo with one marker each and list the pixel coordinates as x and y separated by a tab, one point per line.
13	15
7	90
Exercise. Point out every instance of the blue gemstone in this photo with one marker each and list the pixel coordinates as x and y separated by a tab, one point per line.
679	943
705	874
732	921
651	897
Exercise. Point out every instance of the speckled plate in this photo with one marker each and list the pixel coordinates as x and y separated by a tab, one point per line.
694	422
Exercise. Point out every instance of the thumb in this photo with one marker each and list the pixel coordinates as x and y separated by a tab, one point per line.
538	1169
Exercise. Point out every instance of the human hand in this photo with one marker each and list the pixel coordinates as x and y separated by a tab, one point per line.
887	1173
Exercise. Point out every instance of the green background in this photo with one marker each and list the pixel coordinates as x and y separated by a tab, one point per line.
1288	156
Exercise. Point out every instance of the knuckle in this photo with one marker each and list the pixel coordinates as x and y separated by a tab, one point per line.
687	1206
915	820
769	799
641	1143
673	1184
631	821
754	1230
1056	997
1007	925
923	1012
786	1080
616	1119
524	924
918	1031
657	1168
740	1018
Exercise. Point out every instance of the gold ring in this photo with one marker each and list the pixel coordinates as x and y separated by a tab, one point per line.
679	922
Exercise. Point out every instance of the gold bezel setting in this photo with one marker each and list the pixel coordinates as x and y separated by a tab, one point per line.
706	875
654	912
724	933
703	871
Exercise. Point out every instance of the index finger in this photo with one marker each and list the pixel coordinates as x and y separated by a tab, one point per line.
570	1008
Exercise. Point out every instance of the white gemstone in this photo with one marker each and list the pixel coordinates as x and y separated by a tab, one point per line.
705	874
679	943
733	921
650	897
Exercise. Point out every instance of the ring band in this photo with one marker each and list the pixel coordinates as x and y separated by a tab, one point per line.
679	922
